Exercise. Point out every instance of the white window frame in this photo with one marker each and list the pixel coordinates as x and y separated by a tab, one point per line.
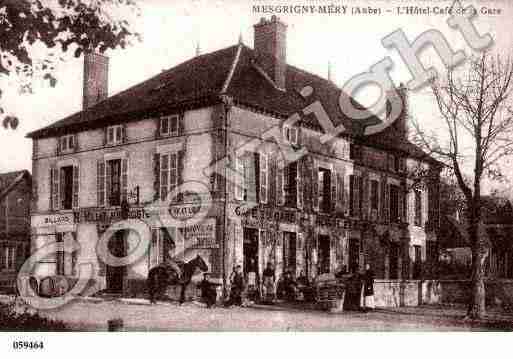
240	183
171	119
117	134
9	253
67	143
264	175
172	166
291	134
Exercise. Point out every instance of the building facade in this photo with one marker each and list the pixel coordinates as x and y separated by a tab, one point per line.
211	137
15	199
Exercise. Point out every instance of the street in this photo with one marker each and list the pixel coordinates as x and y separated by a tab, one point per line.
139	316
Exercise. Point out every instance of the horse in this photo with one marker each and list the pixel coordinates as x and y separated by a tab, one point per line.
164	275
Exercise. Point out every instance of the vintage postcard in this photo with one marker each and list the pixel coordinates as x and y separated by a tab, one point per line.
255	166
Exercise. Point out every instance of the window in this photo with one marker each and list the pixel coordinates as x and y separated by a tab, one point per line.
168	174
114	193
59	255
291	134
8	260
418	208
324	183
289	251
264	178
355	195
374	195
169	125
290	184
115	134
67	143
240	185
394	203
66	185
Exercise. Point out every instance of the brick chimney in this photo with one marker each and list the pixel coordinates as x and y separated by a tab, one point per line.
401	123
96	79
271	48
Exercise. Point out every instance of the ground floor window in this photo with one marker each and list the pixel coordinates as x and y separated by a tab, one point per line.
393	271
354	255
324	254
8	257
417	262
163	245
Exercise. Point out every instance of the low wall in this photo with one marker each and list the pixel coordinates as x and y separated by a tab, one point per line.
398	293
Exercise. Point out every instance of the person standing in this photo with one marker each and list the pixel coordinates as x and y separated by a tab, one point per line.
368	289
208	291
237	287
269	279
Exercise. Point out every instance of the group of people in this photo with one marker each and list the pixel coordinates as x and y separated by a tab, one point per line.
287	287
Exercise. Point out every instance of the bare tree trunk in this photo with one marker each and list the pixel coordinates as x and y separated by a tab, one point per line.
477	306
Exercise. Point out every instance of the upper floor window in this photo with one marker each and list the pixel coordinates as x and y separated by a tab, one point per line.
374	195
418	208
168	174
355	195
169	125
112	182
115	134
394	203
64	187
264	177
291	134
290	184
8	257
324	183
67	143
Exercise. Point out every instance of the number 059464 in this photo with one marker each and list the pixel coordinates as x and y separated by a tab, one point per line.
27	345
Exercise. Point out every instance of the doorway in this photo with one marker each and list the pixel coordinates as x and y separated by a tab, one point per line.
394	261
289	252
250	250
324	254
116	275
354	255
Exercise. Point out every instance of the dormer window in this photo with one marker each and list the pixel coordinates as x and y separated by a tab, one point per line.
291	134
114	134
169	125
67	143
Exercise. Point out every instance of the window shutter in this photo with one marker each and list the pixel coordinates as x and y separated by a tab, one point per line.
108	183
124	139
159	127
156	175
102	268
20	256
180	174
181	124
105	134
154	248
249	177
333	201
286	184
76	185
280	195
256	175
264	178
100	183
3	250
387	202
299	183
315	188
365	198
124	179
55	189
340	191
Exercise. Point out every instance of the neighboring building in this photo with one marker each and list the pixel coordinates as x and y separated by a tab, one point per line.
15	198
346	202
497	218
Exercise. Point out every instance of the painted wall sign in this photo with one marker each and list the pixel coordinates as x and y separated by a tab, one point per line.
106	215
184	212
47	220
201	235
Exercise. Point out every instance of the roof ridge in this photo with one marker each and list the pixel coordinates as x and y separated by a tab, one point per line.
232	69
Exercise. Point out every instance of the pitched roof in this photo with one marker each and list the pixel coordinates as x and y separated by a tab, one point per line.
9	180
232	71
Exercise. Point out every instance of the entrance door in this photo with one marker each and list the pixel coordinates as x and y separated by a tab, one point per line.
289	252
115	275
394	261
250	250
354	255
324	254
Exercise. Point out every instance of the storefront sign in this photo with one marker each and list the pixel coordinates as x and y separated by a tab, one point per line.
47	220
105	215
201	235
262	217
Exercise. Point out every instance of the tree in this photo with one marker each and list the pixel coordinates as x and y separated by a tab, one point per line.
476	134
58	26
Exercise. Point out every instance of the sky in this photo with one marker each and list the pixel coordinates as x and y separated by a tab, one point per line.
171	31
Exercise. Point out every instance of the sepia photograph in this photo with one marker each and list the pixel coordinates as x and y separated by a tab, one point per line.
255	166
